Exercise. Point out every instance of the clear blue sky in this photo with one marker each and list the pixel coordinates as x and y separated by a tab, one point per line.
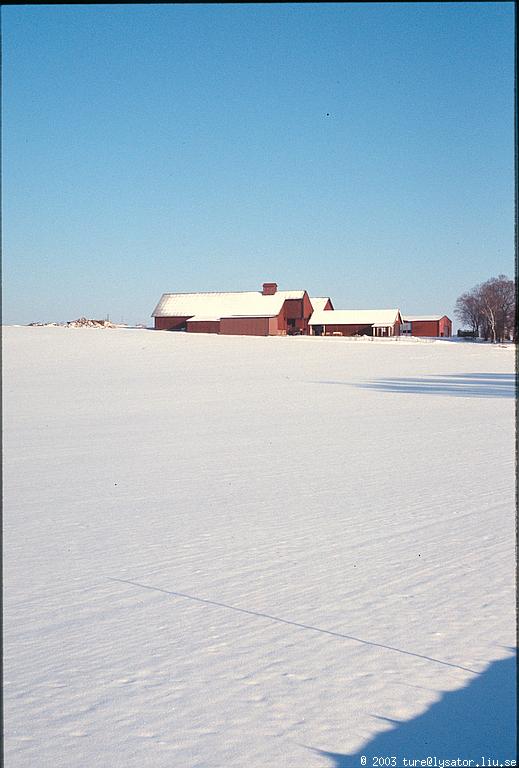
362	151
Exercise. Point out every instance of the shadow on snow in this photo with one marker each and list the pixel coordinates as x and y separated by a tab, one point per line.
476	721
456	385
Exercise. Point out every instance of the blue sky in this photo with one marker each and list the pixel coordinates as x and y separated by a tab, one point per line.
362	151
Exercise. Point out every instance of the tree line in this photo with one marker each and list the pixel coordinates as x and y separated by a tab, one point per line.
490	309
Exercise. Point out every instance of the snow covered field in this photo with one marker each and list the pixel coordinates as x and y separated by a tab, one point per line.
256	552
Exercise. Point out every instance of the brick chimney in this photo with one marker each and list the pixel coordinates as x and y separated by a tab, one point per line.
269	289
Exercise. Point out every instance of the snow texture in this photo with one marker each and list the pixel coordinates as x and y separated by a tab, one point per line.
238	551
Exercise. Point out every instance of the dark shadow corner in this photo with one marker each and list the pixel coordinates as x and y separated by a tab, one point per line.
476	721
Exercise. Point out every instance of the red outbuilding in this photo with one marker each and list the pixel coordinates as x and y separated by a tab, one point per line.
437	326
356	322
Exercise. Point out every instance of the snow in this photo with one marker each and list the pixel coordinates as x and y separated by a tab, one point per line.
238	551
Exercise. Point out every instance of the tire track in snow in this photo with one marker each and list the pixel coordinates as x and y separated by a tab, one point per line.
293	623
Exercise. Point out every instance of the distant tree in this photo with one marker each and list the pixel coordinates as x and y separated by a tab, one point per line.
489	309
497	298
468	310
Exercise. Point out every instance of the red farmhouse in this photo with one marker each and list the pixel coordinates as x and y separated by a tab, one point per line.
248	313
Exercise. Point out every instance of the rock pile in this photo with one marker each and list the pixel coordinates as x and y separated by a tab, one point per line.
42	324
83	322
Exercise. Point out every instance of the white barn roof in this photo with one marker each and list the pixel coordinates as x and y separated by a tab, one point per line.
319	303
217	305
379	317
412	318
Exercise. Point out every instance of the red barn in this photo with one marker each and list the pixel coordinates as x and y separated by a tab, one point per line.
247	313
427	325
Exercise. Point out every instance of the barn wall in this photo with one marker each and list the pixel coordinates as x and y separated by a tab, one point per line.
169	323
425	328
299	310
445	327
276	325
307	313
204	326
293	308
245	326
349	330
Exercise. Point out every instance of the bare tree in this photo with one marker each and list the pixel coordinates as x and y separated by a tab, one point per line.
468	310
497	297
489	309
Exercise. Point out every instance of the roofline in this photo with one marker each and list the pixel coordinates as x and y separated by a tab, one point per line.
215	293
396	311
368	322
206	293
247	317
360	309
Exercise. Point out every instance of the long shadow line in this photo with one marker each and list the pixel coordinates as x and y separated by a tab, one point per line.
293	623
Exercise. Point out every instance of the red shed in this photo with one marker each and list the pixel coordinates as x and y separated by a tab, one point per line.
428	325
